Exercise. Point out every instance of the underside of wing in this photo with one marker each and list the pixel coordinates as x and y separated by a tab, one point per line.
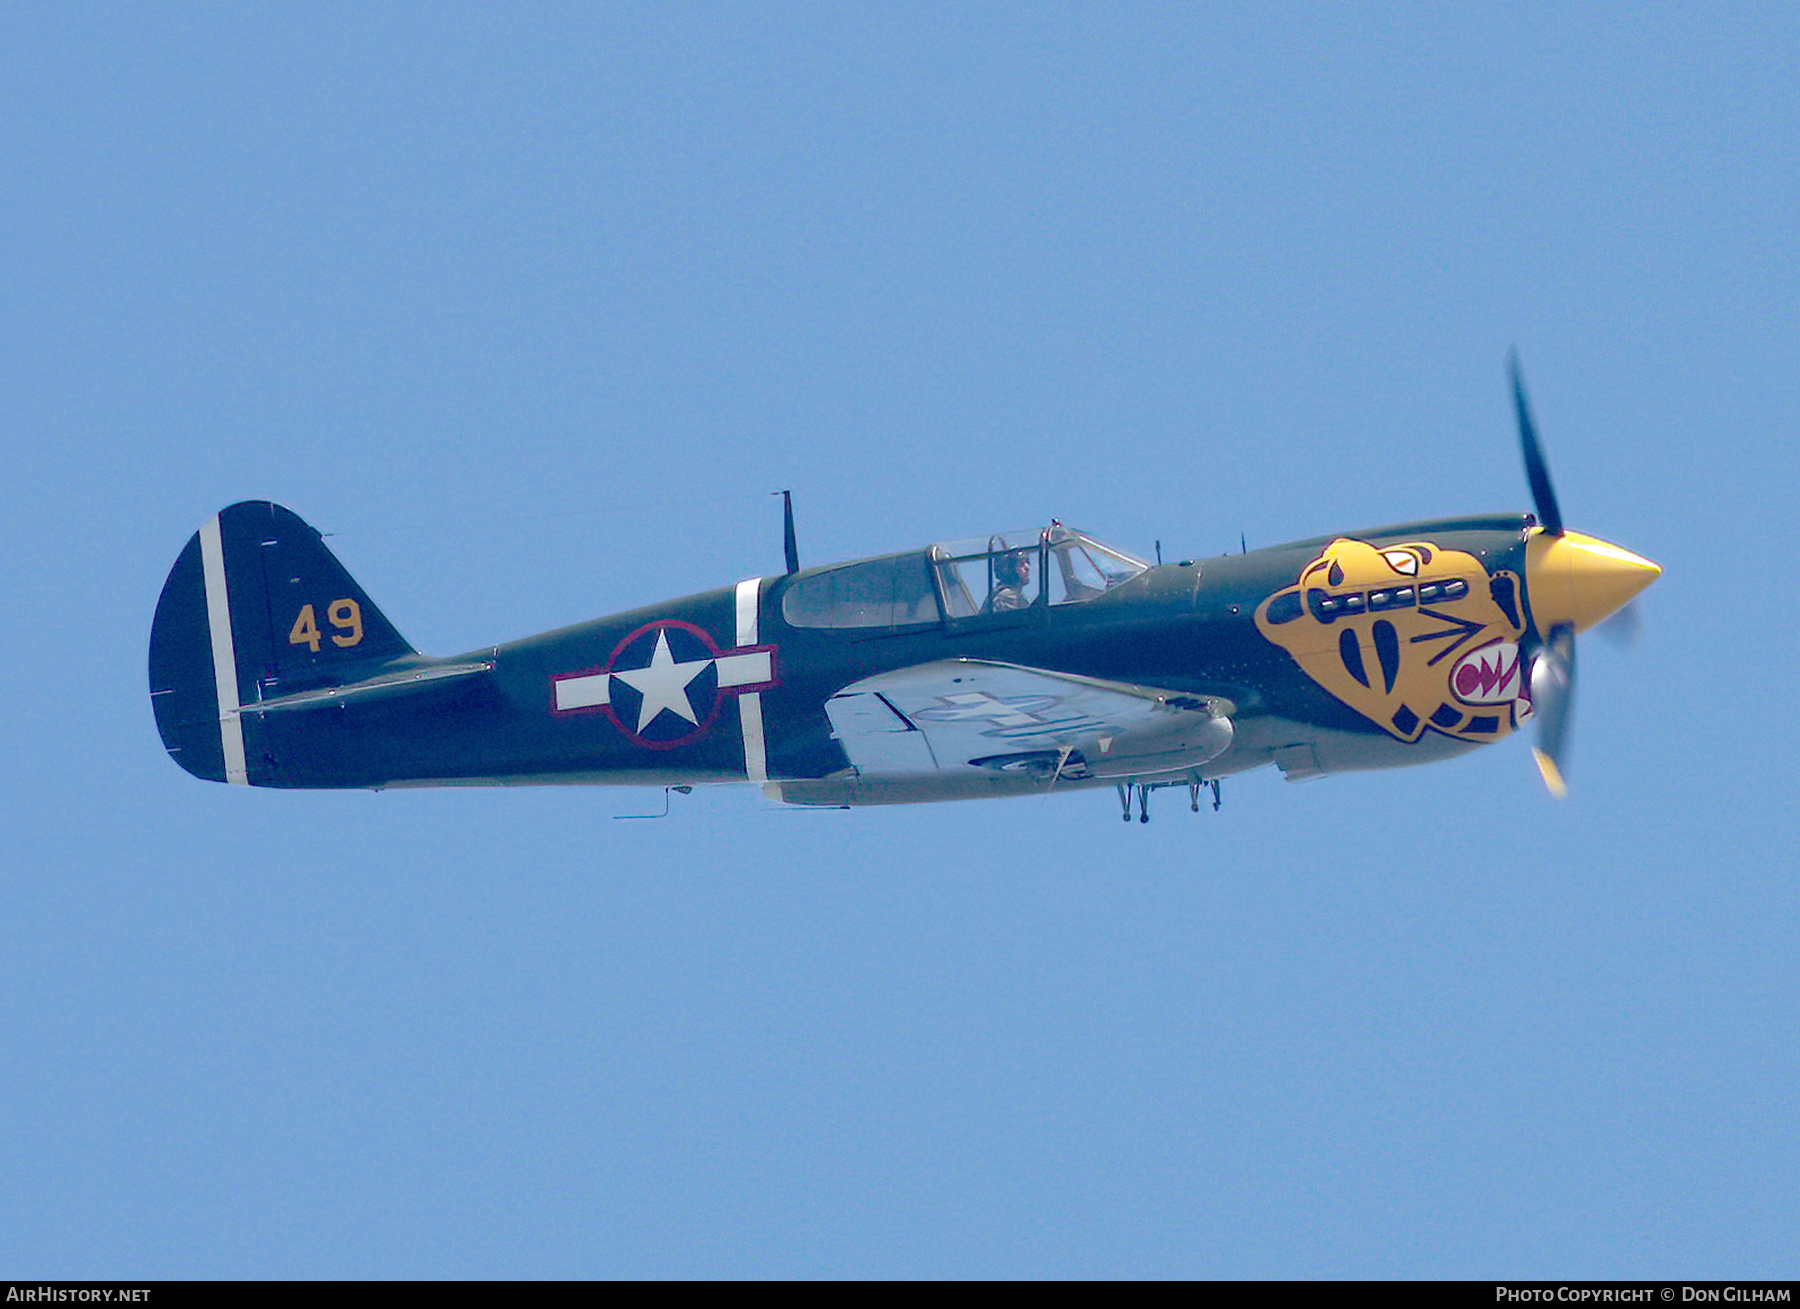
955	721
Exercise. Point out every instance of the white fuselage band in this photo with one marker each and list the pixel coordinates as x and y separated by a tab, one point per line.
755	668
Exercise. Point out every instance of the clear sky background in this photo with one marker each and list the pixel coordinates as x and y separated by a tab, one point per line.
532	307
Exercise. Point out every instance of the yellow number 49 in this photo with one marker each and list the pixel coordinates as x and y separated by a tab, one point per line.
344	614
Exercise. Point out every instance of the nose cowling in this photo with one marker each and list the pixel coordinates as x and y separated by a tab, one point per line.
1581	580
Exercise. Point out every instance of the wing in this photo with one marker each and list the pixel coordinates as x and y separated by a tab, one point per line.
956	715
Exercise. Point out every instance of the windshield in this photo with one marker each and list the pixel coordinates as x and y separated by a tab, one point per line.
1081	568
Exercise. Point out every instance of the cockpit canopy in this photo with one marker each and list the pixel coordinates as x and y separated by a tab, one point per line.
957	580
1010	569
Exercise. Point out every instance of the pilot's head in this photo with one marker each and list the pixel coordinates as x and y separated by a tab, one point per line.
1013	568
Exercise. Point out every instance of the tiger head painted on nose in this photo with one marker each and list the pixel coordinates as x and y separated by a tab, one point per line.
1412	636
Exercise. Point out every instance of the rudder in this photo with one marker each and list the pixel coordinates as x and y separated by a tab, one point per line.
255	607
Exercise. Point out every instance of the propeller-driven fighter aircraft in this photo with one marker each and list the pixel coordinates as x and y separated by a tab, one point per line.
1012	664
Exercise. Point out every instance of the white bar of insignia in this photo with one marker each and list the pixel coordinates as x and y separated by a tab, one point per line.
584	692
744	669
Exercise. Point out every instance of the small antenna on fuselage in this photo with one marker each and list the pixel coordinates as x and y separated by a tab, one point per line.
1242	548
1159	554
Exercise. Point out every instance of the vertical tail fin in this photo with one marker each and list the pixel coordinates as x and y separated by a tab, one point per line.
255	606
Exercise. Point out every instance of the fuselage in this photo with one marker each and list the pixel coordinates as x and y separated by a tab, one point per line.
1360	650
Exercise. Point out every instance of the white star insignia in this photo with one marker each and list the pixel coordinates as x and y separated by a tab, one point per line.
663	684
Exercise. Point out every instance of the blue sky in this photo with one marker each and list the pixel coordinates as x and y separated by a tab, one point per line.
532	307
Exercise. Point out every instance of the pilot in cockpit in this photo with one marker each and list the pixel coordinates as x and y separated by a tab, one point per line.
1012	575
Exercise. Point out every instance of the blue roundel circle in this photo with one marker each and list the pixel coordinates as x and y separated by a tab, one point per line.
664	689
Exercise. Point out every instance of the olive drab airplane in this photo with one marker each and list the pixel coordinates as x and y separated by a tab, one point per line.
1013	664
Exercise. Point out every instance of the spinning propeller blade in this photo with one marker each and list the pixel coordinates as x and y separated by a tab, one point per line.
1553	704
1623	628
1576	580
1537	471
